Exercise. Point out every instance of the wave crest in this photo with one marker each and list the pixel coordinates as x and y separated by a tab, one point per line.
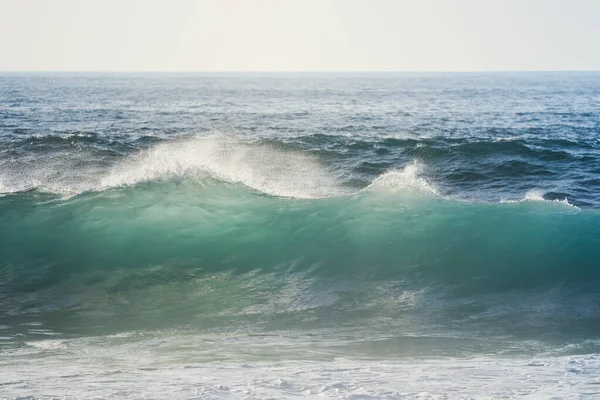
536	195
259	166
265	167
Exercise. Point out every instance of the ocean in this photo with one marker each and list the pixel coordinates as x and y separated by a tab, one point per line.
277	235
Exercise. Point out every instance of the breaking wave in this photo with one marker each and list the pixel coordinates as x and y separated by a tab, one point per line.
257	165
164	253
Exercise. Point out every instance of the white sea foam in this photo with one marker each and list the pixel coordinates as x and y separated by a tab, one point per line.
273	367
50	344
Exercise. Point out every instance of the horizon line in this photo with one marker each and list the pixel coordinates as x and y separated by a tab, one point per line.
303	71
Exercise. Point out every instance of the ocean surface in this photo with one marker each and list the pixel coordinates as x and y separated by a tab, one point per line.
353	236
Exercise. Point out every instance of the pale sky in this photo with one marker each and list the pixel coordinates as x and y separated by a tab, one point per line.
299	35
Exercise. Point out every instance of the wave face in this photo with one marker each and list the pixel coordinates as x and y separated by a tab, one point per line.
217	254
421	207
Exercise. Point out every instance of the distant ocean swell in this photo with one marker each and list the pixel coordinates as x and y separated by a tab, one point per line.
224	233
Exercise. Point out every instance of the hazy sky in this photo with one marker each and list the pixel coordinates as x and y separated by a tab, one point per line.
299	35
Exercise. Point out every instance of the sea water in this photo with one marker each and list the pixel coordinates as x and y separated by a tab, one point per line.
280	235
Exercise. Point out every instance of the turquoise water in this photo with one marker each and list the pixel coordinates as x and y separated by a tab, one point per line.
297	218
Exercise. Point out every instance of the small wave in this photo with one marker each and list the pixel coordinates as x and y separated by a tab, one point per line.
537	195
409	178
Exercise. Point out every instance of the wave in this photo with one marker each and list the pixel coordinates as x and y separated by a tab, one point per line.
220	232
162	252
